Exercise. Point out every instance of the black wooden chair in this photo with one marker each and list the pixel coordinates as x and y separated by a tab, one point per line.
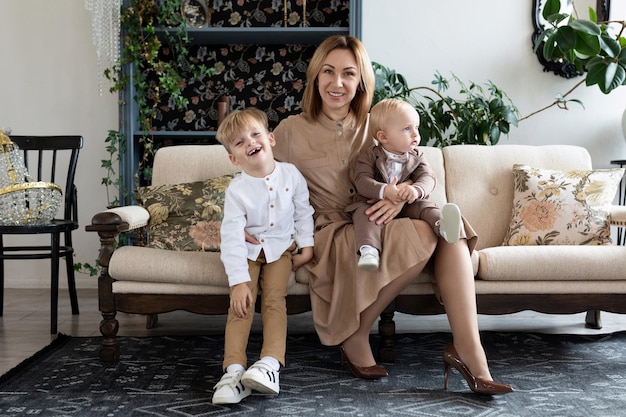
49	159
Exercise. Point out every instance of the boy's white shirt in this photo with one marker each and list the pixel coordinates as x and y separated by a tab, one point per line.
280	199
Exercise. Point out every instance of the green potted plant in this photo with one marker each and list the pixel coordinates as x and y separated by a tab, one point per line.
153	77
596	49
477	114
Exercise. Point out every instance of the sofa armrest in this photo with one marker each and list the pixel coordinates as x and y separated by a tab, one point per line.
617	215
134	216
110	223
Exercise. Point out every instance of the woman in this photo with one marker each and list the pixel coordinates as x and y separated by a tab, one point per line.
323	142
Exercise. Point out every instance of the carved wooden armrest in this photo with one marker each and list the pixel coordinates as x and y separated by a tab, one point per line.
617	216
110	223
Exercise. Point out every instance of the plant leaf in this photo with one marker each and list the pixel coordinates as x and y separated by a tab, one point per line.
587	44
586	26
610	46
551	7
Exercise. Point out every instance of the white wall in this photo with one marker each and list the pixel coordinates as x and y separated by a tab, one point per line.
49	83
484	40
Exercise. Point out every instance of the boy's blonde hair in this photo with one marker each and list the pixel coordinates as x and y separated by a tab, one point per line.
238	121
381	111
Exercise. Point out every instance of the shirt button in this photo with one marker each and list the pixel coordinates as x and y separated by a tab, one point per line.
271	224
340	133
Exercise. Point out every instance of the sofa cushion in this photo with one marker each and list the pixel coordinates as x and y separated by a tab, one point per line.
185	217
554	207
552	263
163	266
479	180
190	163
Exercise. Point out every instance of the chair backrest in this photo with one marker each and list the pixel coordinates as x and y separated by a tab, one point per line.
53	159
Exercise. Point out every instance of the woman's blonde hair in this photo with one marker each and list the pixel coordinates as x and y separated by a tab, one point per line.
360	105
381	111
237	122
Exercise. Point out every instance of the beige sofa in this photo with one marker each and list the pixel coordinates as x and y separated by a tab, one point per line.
549	279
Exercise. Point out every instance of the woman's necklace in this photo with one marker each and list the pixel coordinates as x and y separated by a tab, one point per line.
339	121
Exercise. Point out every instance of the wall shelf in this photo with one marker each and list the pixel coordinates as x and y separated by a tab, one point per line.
263	35
226	38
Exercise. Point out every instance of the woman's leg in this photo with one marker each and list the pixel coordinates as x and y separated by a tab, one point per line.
357	346
455	279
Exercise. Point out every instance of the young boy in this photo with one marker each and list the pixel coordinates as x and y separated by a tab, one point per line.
396	170
269	203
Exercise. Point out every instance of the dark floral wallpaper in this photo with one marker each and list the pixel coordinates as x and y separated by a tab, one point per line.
270	77
271	13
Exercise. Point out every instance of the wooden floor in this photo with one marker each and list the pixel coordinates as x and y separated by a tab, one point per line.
25	325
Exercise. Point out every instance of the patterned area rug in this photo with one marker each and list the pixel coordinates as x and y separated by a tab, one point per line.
553	375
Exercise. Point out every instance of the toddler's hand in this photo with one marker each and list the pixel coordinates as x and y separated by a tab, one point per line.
392	192
408	193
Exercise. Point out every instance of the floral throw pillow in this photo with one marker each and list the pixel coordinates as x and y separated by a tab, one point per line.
561	207
186	217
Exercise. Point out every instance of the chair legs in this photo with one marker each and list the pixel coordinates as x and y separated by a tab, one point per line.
71	282
54	284
1	277
1	287
54	277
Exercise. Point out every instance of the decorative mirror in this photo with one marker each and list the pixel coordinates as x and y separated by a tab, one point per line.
563	69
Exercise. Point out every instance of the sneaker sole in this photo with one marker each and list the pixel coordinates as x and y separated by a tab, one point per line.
451	222
229	400
220	401
368	267
253	384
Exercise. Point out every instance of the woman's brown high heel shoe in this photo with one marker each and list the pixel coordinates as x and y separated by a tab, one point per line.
478	385
364	372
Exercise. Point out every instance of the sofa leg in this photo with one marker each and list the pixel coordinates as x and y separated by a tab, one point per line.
593	319
110	349
387	332
151	321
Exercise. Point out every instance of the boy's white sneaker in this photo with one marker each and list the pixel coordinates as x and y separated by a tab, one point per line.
261	377
369	261
450	225
230	390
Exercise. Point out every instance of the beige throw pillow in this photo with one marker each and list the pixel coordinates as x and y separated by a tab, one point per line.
553	207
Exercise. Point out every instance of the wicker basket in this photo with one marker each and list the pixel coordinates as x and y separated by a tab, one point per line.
23	201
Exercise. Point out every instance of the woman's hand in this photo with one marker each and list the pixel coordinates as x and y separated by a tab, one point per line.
251	239
383	211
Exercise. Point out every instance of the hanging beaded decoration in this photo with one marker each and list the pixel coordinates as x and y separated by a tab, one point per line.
105	24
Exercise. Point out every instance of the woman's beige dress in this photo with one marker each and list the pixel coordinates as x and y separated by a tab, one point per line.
323	151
